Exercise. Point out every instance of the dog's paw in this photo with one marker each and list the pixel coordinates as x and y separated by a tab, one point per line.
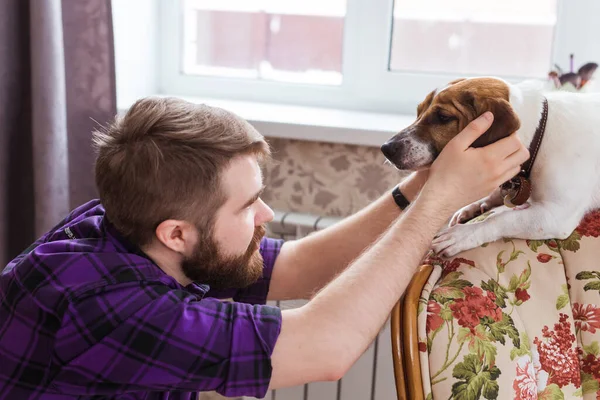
469	212
455	240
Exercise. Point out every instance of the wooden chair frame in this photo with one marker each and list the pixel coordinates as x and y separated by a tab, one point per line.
405	339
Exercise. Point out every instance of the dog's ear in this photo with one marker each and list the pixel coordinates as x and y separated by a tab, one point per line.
456	81
424	105
506	121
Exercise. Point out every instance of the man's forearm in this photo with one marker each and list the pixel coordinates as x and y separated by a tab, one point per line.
347	314
322	339
310	263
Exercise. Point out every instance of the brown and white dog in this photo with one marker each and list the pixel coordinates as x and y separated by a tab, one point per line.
565	175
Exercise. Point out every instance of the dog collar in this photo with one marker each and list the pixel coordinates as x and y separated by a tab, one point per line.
517	190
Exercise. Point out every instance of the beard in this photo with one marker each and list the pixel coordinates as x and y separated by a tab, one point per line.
209	266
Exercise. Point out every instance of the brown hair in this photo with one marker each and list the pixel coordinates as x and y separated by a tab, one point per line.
163	160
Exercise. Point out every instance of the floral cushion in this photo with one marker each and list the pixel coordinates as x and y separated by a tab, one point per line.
515	319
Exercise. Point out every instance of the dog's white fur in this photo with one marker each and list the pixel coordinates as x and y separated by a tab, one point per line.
565	176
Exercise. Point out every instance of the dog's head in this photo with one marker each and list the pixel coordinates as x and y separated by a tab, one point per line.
444	113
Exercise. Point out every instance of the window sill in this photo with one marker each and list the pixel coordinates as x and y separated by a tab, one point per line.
312	123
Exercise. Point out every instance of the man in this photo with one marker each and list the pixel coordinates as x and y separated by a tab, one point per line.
120	300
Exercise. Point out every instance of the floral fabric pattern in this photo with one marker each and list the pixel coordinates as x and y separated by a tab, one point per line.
514	319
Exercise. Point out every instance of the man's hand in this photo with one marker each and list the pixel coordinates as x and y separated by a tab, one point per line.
463	174
457	160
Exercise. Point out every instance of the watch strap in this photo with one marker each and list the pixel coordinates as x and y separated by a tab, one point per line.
399	198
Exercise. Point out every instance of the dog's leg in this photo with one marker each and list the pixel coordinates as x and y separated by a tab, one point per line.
473	210
538	222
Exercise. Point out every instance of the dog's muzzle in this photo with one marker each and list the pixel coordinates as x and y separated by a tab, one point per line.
408	153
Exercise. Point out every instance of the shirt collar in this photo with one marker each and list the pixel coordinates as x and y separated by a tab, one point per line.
197	288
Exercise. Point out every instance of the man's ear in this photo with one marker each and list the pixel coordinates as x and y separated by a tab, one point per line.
176	235
506	121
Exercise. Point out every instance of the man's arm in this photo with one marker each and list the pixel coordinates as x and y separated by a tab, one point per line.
156	338
298	274
321	340
346	316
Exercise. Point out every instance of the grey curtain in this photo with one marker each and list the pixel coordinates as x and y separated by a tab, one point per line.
57	82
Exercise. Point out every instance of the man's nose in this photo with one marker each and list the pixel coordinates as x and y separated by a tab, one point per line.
265	215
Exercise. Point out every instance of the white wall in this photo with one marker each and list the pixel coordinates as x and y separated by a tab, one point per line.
136	49
577	32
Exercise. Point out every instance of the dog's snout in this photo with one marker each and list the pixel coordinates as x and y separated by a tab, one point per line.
406	152
390	148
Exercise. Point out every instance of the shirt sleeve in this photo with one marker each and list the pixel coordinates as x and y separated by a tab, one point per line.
156	338
258	291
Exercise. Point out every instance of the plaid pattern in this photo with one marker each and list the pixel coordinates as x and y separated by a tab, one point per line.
84	314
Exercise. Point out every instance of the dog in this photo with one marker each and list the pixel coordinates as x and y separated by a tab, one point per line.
565	175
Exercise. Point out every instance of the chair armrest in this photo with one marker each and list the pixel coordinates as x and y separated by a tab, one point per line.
405	338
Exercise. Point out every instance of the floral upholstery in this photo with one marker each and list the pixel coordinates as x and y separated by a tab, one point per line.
514	319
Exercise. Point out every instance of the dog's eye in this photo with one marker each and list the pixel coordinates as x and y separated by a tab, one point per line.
443	118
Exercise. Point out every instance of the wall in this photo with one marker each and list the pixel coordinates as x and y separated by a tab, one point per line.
577	32
325	179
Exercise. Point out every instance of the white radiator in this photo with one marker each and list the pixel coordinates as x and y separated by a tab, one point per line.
372	377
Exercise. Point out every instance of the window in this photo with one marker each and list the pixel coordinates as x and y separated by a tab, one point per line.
506	38
296	41
368	55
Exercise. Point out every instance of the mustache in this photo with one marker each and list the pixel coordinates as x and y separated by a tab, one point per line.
259	233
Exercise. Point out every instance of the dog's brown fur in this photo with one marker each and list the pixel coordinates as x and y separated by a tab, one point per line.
461	102
446	112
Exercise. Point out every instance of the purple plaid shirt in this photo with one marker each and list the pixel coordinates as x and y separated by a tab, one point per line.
84	313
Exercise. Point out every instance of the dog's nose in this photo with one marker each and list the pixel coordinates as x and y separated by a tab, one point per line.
389	149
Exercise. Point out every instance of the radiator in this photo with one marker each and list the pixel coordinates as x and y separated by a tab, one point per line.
371	377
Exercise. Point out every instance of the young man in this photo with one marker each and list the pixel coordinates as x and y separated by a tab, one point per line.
120	300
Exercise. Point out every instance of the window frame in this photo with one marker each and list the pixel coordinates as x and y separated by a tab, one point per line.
366	54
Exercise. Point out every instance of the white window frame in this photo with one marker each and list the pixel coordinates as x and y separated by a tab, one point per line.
362	111
367	84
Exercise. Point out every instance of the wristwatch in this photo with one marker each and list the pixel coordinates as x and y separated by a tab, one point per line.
399	198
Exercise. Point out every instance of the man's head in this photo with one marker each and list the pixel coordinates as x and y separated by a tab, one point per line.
182	181
445	113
